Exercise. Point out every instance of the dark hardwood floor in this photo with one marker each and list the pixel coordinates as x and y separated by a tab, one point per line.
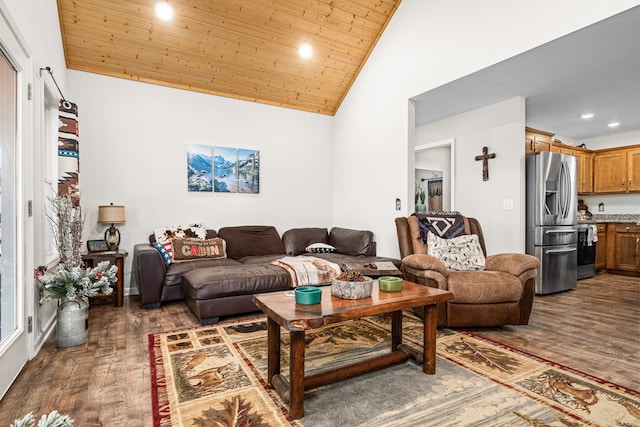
594	328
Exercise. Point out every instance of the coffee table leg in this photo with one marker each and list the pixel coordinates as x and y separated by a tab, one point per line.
396	329
429	339
296	375
273	348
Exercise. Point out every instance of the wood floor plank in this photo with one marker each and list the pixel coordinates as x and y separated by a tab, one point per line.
594	328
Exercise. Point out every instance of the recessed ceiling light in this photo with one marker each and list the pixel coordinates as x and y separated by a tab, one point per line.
163	10
614	124
587	115
305	51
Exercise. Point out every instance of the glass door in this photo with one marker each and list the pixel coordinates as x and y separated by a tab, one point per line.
14	134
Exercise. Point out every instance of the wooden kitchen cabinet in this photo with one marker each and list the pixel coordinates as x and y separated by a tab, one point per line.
584	165
633	169
601	247
617	170
537	140
623	247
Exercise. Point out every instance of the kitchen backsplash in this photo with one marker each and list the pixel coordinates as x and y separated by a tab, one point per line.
613	204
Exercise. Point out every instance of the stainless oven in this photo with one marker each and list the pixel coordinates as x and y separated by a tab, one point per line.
587	233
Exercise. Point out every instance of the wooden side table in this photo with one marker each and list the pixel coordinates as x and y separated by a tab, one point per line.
92	259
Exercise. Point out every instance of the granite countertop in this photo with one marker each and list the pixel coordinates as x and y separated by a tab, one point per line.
624	218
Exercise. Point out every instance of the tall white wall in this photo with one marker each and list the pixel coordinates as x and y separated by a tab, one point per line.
427	44
133	141
499	127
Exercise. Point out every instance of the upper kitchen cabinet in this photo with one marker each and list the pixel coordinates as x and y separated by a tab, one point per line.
617	170
585	165
537	140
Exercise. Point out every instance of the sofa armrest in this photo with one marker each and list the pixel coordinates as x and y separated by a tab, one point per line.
150	272
515	264
425	262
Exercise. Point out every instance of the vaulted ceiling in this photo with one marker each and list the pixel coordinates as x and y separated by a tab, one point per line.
245	49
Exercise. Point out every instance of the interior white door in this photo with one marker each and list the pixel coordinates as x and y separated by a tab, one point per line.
14	62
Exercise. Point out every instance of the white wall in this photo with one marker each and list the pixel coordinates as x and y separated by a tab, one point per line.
425	45
133	140
499	127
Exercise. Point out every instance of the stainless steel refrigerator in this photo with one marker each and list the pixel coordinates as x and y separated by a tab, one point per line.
551	219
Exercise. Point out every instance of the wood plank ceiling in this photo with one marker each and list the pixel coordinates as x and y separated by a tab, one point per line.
245	49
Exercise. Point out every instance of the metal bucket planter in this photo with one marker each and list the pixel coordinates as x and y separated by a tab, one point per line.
73	322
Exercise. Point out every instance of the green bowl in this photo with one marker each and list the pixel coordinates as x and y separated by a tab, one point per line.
390	283
308	295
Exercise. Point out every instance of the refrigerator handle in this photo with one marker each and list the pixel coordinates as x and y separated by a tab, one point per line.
564	190
561	251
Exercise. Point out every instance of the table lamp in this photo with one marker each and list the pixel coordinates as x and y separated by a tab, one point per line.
110	214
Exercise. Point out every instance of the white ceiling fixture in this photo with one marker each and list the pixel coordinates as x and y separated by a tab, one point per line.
614	124
305	50
163	10
587	116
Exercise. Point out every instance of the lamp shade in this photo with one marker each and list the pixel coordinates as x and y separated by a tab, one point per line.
111	214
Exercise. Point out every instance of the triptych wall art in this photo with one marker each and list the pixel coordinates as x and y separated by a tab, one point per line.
223	169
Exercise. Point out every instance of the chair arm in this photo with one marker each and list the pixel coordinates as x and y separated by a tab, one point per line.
512	263
425	262
150	272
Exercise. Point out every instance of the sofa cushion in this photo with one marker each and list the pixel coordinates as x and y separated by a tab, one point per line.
319	248
178	268
211	234
351	242
251	240
164	235
474	287
163	253
184	249
297	239
208	283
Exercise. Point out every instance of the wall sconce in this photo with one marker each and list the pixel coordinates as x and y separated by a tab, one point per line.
110	214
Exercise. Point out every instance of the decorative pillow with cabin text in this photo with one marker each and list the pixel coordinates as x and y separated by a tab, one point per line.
188	249
164	235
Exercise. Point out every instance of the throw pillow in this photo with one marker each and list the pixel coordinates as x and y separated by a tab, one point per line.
165	234
459	253
320	248
187	249
163	253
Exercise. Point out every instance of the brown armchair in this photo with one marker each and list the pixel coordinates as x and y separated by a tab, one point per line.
502	294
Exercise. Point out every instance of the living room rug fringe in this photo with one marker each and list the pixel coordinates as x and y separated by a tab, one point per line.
216	376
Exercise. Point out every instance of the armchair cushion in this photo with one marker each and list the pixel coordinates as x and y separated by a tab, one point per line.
425	262
513	263
484	287
460	253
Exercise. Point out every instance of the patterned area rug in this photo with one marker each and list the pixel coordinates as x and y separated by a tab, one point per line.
216	376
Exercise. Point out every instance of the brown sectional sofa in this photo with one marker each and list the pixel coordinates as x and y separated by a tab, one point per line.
225	286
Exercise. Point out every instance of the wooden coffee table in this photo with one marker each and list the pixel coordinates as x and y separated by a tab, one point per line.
283	311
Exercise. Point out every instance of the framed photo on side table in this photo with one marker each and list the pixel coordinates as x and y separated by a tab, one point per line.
97	246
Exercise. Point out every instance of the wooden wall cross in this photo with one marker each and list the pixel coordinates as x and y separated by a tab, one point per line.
485	162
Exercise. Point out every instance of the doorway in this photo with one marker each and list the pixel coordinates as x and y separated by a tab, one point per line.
435	176
14	134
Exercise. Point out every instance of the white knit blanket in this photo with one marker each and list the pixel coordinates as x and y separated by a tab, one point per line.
308	270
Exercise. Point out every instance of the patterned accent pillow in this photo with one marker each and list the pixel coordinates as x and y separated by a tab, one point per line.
459	253
320	248
163	253
164	235
186	249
